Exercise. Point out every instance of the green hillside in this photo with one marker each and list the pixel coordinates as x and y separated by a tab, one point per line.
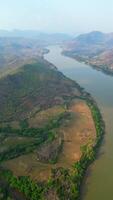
32	88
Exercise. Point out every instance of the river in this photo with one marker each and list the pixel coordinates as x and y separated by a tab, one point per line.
98	184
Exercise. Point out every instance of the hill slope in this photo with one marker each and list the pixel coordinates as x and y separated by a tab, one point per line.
94	48
15	52
33	87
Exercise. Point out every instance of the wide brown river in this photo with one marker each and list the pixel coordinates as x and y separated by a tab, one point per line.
98	184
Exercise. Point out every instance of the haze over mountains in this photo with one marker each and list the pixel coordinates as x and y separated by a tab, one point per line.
95	48
42	36
20	47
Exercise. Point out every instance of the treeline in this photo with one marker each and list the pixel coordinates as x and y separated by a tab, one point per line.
29	188
99	123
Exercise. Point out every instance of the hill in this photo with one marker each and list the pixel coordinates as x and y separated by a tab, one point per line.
95	48
33	87
15	52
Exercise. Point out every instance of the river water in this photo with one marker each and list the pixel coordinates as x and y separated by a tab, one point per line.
98	184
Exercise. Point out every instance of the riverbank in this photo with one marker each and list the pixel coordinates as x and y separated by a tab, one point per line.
103	69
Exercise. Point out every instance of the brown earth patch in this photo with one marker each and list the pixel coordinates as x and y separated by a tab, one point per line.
79	132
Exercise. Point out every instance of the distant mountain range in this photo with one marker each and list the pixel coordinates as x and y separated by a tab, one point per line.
95	48
48	37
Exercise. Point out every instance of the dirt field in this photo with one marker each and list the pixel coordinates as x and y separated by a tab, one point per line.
77	132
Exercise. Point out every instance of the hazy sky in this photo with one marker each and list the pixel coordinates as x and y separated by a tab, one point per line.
57	15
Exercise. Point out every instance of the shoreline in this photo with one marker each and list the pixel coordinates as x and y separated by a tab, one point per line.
98	68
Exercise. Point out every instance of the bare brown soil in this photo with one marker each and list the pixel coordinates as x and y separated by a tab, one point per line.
79	132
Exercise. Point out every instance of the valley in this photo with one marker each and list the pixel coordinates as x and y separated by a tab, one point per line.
56	100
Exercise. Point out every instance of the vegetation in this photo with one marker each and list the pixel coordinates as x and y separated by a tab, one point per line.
66	182
30	189
32	88
40	135
33	82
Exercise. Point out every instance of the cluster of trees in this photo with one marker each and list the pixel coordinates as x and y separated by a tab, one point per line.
28	187
63	182
25	185
41	135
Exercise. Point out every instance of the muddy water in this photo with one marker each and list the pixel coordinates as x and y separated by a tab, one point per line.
98	184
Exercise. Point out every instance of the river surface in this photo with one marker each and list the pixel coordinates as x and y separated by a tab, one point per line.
98	184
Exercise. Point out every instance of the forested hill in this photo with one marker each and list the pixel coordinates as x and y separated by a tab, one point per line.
33	87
